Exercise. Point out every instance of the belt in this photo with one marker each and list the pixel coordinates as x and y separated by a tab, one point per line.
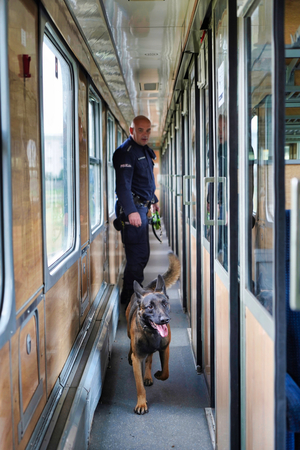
139	202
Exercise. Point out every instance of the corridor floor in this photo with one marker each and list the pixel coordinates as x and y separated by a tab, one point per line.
176	418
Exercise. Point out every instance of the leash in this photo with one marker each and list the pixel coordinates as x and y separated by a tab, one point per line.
156	225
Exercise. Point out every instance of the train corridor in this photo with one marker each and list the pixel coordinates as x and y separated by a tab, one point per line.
176	418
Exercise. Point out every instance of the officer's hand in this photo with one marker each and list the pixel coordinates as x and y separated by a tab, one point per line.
154	207
135	219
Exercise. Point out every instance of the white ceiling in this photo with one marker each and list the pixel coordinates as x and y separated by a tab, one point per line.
140	42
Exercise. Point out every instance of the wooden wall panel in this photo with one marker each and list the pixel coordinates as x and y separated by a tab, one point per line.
84	277
222	365
62	322
96	268
206	313
5	403
188	269
112	253
25	151
29	362
259	386
194	293
83	159
18	346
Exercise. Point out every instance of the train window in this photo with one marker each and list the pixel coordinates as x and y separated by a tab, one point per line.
58	151
260	202
119	137
95	154
110	167
292	151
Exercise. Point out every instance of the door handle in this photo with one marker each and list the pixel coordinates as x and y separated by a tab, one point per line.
178	192
186	179
206	220
212	222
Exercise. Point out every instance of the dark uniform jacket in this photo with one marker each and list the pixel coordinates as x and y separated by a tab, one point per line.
134	174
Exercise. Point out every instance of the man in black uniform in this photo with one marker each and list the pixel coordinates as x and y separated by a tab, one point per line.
135	187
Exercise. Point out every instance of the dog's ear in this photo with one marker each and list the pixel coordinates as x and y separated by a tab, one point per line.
139	291
160	285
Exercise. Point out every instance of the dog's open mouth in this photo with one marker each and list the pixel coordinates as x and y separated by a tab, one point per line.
162	329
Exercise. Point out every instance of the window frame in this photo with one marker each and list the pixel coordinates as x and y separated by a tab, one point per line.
7	302
119	130
110	166
54	272
98	159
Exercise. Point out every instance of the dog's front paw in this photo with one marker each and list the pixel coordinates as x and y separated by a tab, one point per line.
141	408
159	375
148	382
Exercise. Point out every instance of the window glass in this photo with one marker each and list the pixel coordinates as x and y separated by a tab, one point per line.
95	152
110	167
119	137
221	39
260	202
58	152
206	166
193	149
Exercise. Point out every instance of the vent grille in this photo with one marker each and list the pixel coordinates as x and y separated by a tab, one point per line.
149	86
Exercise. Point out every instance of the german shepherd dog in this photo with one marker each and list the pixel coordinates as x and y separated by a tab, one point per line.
149	331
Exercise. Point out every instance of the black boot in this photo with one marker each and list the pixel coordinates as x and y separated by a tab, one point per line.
126	296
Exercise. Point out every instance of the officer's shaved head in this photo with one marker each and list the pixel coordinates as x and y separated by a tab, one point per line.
140	130
137	119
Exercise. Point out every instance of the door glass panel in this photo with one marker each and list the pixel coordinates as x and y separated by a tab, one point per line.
259	201
221	39
206	166
193	150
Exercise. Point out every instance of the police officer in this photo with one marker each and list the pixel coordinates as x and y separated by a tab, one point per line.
135	187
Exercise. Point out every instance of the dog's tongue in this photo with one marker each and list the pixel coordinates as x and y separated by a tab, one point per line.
162	329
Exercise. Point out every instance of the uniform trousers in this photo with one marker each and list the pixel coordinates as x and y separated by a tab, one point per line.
137	249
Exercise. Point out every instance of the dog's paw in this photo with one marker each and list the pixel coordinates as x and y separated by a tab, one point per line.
159	375
148	382
141	408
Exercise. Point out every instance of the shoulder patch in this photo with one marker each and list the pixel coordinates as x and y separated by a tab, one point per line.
129	148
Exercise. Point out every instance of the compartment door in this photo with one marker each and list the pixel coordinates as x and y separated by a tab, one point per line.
262	224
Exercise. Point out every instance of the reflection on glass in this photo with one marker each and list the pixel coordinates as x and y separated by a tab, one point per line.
221	37
58	152
260	203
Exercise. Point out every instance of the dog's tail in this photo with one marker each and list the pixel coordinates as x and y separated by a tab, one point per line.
172	274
